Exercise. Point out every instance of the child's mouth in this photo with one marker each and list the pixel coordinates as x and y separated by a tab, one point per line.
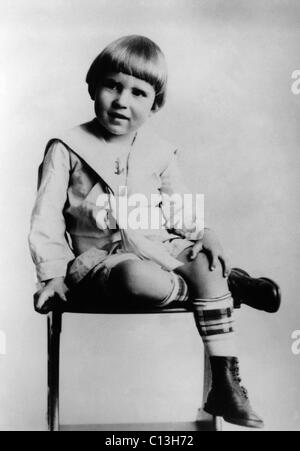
119	116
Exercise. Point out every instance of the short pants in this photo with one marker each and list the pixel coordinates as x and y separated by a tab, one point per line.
96	281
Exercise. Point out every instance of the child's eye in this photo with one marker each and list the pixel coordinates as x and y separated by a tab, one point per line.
139	92
111	84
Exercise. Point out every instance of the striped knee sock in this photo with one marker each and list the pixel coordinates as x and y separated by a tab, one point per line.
179	291
214	320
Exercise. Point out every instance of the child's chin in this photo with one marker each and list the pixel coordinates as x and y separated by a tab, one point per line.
118	131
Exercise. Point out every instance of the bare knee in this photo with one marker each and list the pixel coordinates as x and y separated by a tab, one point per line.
202	280
139	279
200	266
127	277
203	266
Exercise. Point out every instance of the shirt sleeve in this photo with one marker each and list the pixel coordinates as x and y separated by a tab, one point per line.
48	243
183	211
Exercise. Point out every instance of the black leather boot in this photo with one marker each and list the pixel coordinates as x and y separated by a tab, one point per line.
259	293
227	398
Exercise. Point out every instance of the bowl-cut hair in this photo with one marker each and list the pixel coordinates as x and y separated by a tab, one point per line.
133	55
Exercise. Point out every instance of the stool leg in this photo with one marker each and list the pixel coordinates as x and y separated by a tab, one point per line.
217	421
207	377
54	329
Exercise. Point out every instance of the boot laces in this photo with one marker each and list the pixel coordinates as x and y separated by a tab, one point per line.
238	380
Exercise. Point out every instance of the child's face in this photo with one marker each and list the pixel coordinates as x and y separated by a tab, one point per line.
123	103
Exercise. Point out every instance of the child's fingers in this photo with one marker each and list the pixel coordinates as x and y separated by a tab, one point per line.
212	259
36	299
63	291
41	301
213	262
195	250
62	295
225	265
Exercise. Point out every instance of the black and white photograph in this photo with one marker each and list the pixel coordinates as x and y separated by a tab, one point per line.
150	158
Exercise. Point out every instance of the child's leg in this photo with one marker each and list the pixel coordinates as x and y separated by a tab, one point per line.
212	302
144	282
213	311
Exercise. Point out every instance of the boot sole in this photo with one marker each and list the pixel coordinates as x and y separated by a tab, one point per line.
237	421
246	423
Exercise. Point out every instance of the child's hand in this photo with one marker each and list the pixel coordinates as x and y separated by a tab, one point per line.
54	288
213	249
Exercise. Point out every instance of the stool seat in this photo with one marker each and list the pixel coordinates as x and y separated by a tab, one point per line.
174	308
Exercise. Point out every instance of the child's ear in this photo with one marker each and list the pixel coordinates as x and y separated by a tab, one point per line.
154	109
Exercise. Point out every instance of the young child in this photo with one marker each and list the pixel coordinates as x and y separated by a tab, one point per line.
78	240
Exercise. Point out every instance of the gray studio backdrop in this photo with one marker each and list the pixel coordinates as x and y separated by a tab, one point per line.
233	114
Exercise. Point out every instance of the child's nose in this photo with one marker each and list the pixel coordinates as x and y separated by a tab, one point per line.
122	99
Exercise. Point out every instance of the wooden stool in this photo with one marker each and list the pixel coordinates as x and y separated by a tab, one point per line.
54	321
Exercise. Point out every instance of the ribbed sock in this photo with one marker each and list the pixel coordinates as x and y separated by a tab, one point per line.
179	291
